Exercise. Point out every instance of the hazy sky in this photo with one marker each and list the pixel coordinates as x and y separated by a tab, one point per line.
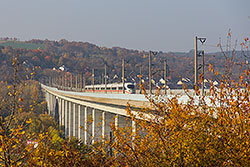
165	25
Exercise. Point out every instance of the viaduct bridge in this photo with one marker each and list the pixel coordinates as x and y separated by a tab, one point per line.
88	115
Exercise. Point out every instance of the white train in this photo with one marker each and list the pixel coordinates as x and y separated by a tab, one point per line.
111	88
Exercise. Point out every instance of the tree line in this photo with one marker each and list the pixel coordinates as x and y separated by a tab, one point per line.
82	57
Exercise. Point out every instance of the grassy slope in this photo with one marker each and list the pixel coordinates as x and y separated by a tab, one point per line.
17	44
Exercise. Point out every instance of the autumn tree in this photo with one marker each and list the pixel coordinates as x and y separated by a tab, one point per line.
209	130
29	136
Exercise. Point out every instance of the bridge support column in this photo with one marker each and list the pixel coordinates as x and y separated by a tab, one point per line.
85	124
63	112
70	119
80	122
103	125
75	120
60	111
52	106
48	102
66	118
46	99
93	126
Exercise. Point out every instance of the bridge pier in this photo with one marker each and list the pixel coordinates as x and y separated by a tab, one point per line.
81	122
70	126
103	125
74	119
60	111
66	130
63	113
85	124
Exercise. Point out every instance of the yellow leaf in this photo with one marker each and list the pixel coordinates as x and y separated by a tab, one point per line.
29	121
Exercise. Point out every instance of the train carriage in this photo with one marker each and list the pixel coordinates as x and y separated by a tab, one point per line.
111	88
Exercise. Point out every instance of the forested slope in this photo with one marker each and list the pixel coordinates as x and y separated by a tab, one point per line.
81	57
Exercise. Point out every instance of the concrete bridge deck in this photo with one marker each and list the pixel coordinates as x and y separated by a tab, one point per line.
119	100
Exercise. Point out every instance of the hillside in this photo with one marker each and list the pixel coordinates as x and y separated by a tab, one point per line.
81	57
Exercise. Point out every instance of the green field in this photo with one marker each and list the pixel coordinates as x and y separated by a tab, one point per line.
23	45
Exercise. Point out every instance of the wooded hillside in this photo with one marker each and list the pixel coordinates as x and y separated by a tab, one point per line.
81	57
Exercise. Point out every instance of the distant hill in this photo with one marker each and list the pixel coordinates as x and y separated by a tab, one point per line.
82	57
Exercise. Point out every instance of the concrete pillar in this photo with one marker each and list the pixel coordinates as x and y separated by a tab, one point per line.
80	122
74	119
93	126
49	103
57	109
66	118
85	124
70	119
60	111
63	112
52	105
47	100
103	125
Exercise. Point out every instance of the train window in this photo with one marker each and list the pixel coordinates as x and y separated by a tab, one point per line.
108	88
114	88
102	88
120	88
131	86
